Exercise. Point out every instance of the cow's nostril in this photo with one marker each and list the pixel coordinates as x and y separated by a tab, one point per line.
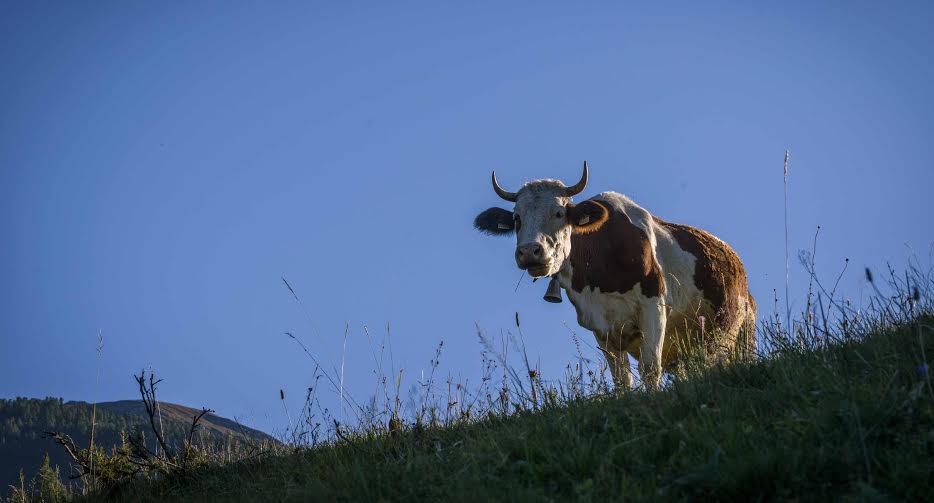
537	251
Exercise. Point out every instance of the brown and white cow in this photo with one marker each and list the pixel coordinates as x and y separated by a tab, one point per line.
642	285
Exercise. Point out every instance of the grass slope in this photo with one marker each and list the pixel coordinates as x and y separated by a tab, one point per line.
851	420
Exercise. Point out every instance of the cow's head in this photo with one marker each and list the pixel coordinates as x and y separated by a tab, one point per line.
543	219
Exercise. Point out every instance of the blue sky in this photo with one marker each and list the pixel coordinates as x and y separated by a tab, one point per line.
162	165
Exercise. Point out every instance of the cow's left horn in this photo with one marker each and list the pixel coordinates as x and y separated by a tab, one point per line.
579	186
501	192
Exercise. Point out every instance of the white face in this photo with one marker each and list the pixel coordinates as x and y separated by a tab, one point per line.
543	233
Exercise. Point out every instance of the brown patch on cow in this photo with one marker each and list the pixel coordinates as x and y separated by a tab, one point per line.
587	216
718	272
615	257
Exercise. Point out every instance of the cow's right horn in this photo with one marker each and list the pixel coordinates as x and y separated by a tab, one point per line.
579	186
509	196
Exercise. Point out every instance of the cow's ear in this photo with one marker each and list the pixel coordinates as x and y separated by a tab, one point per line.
587	216
495	221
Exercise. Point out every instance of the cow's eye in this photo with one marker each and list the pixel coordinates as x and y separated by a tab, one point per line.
518	221
559	214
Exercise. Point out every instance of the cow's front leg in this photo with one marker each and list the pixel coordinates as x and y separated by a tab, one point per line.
617	359
653	321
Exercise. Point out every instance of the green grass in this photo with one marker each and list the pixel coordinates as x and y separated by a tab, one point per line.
850	420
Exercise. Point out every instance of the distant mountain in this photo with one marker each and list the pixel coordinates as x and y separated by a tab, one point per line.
23	422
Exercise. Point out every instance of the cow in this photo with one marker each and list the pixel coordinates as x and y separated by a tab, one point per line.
644	286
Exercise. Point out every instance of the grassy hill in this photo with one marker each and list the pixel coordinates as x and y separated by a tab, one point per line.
24	421
841	407
847	414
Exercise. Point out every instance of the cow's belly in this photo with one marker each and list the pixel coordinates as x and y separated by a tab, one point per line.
612	316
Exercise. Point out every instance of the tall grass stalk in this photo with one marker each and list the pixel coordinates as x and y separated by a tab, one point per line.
787	265
286	409
343	359
159	413
97	381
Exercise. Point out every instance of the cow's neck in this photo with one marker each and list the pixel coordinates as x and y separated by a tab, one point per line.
564	275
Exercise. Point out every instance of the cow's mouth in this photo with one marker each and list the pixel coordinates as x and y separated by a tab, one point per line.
538	270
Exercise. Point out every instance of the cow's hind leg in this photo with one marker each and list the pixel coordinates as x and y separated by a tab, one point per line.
746	341
744	332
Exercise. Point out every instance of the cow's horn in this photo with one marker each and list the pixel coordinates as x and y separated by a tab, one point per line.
509	196
579	186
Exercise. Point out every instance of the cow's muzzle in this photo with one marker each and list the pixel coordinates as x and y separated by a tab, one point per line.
531	257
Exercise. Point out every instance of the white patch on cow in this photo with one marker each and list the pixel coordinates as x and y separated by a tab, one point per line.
608	312
683	298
